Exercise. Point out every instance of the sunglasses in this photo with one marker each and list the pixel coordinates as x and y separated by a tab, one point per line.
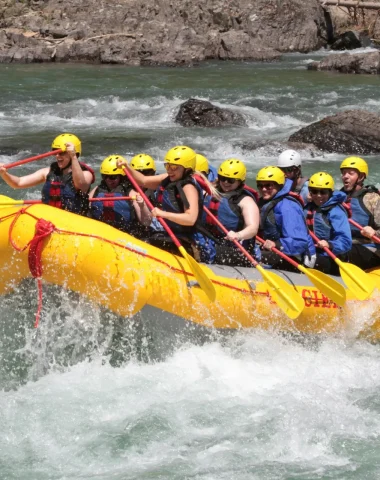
110	177
171	167
322	191
267	186
287	169
148	172
226	179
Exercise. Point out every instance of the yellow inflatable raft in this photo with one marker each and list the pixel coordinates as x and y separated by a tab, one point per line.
124	274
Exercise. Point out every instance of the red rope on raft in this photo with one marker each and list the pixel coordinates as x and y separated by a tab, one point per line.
42	230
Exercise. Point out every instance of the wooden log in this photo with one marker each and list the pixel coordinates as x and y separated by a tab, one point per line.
350	3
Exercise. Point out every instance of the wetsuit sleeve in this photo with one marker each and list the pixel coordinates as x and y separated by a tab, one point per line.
372	202
340	239
294	235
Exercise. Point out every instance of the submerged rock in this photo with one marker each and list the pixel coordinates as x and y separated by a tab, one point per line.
349	132
199	113
349	63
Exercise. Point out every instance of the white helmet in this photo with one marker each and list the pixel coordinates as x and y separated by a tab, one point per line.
289	158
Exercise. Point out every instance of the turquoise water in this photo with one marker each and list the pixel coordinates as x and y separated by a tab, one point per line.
93	396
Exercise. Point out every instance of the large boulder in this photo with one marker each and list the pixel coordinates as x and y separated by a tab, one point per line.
350	40
349	63
349	132
273	148
158	32
199	113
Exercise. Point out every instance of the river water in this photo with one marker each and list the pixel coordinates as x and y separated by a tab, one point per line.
90	395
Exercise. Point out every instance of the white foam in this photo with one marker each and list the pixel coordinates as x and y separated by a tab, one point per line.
259	399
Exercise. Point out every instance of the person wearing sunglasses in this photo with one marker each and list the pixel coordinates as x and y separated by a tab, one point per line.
290	163
66	181
236	208
328	219
180	200
202	165
364	201
125	215
282	224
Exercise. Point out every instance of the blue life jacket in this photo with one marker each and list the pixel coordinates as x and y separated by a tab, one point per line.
361	214
212	174
330	222
226	210
281	219
117	213
229	213
59	190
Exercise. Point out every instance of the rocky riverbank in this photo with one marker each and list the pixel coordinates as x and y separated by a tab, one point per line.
157	32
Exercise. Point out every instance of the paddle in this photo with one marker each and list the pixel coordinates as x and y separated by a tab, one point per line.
203	280
327	285
356	279
33	202
32	159
288	299
360	227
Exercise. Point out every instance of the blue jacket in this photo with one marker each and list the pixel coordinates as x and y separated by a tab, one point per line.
304	192
330	222
282	220
212	174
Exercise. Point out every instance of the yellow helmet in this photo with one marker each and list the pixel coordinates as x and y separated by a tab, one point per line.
321	180
201	163
142	161
60	142
233	168
357	163
181	155
271	174
109	165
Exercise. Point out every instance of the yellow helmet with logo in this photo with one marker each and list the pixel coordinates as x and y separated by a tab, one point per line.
142	161
321	180
109	165
181	155
60	142
201	163
233	168
271	174
357	163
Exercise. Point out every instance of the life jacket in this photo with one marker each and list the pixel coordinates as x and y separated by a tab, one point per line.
268	226
359	212
59	190
117	213
172	198
317	220
226	210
